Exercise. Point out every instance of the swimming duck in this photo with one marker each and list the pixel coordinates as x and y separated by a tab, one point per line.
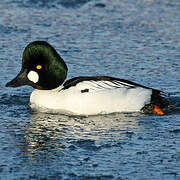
44	70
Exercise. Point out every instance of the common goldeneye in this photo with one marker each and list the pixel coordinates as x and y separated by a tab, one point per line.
46	71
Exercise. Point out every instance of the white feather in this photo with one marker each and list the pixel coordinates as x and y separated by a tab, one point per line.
103	97
101	85
33	76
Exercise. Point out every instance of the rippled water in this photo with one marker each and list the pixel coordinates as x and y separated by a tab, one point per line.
137	40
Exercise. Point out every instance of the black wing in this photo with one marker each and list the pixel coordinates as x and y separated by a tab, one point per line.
104	82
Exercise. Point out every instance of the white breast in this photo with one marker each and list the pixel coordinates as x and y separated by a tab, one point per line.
106	100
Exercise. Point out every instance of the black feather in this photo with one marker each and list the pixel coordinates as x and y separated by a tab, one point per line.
116	81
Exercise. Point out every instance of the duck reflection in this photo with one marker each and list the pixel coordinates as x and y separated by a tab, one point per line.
54	132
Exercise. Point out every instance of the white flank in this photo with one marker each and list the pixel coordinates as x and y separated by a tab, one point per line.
33	76
102	98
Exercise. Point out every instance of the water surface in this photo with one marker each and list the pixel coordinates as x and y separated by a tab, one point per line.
131	39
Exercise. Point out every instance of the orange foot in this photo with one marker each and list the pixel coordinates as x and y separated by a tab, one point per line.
158	111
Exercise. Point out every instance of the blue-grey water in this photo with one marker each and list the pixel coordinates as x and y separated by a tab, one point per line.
137	40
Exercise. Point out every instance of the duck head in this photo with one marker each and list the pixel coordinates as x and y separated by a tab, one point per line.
42	67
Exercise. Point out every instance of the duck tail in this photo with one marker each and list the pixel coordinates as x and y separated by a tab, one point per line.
158	105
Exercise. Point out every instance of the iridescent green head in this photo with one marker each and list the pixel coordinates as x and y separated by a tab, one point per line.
42	67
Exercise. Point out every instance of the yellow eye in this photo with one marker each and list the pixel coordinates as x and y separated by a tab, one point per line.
38	67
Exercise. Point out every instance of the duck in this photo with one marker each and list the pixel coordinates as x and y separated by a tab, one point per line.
45	70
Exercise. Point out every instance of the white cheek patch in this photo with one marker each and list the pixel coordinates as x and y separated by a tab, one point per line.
33	76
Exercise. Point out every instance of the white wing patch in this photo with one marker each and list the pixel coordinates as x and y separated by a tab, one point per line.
93	86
